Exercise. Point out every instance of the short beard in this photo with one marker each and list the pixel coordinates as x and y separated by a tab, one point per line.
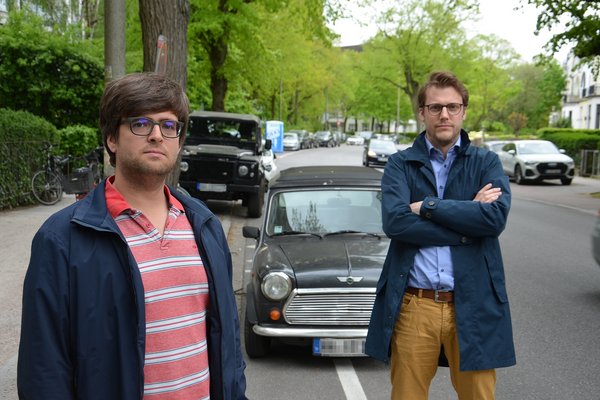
139	172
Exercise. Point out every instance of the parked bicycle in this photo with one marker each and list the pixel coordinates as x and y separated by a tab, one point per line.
49	183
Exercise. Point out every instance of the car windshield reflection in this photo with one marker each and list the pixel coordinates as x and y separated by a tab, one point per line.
322	212
537	148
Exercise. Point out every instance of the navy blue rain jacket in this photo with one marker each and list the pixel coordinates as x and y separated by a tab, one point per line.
470	228
83	324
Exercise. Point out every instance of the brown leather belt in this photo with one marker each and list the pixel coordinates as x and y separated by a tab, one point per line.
439	296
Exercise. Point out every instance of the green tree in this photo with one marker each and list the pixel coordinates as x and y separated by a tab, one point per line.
421	37
540	91
48	75
581	29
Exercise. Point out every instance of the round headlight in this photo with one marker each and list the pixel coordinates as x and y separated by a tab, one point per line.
184	166
243	170
276	286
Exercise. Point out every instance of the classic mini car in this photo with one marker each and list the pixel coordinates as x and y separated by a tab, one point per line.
224	158
318	257
377	152
536	160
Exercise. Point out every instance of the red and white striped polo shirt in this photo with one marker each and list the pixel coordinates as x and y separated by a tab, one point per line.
176	296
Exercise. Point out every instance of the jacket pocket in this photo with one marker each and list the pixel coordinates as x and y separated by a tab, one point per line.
497	276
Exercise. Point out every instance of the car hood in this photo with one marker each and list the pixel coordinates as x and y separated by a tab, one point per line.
331	261
546	158
204	149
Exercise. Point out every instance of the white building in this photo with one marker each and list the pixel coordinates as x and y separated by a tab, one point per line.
581	98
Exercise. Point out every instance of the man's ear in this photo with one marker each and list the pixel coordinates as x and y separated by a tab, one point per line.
111	142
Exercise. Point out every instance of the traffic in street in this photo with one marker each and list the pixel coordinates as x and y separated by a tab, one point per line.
552	279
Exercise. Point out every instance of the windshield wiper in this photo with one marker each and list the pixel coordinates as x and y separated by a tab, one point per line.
285	233
342	232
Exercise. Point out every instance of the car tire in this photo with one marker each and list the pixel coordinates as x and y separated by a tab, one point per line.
255	204
256	346
519	180
566	181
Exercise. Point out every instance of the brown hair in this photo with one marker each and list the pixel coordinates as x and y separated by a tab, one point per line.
137	94
443	80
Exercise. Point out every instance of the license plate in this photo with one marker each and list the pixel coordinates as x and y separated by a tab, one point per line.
382	159
553	171
328	347
211	187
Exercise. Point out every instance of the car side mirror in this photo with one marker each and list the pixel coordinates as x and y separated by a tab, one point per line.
561	151
250	232
512	152
268	144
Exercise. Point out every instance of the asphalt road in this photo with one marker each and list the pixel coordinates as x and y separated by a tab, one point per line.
553	283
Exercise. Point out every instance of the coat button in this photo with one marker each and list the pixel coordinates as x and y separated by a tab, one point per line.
428	215
431	202
464	239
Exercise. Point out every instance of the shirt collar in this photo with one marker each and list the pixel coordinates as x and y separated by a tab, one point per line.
432	150
117	204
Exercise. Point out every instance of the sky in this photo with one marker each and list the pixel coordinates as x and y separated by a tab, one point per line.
497	17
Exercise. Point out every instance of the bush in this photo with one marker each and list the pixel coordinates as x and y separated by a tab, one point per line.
48	75
572	140
22	139
78	140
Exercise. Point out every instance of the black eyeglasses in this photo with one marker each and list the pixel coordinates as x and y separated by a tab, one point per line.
142	126
436	109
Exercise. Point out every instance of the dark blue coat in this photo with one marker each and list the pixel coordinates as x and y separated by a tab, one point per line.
470	228
83	326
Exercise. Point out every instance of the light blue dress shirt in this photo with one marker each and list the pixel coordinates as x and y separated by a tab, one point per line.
433	267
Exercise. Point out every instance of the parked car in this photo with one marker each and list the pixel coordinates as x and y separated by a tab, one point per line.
319	254
355	140
222	158
494	145
536	160
291	141
307	140
367	135
377	152
596	239
268	162
325	139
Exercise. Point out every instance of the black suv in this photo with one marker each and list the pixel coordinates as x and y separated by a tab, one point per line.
221	159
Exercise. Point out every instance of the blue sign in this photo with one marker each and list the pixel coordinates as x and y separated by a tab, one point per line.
274	131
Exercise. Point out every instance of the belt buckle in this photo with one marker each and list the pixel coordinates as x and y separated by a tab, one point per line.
436	296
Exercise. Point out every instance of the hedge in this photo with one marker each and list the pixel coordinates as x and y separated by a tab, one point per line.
22	139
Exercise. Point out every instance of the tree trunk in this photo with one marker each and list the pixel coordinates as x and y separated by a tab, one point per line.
170	19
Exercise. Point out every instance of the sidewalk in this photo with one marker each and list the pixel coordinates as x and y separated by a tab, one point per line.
577	196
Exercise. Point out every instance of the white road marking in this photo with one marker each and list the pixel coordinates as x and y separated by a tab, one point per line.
349	379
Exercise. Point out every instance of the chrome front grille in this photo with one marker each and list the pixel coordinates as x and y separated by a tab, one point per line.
348	307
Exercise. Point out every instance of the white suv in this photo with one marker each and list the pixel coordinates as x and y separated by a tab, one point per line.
536	160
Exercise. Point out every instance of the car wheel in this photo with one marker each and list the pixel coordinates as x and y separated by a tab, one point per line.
255	204
256	346
519	180
566	181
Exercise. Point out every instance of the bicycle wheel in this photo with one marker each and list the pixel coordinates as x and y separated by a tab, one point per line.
46	187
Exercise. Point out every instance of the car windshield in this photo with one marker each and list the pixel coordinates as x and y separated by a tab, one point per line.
325	211
237	133
537	148
385	146
322	134
291	136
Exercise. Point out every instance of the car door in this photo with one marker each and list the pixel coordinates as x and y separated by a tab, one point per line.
507	159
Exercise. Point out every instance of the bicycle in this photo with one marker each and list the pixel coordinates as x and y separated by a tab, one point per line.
49	183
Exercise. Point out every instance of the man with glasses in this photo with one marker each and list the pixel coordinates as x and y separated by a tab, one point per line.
128	292
441	298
